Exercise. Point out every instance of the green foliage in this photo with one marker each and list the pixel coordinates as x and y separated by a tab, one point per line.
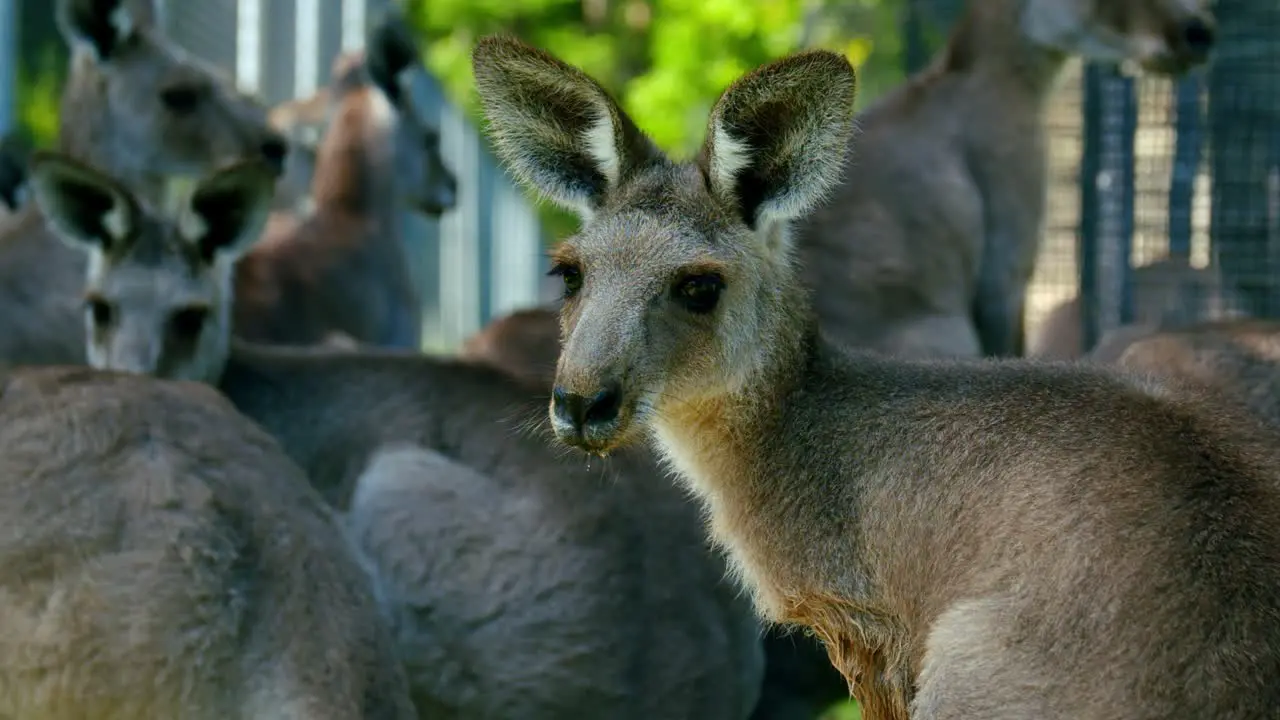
665	60
39	95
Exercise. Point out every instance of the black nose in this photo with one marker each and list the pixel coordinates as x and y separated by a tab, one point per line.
1198	36
274	150
582	412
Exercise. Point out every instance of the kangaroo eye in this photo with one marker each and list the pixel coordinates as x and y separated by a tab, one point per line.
571	275
100	311
699	294
188	322
181	99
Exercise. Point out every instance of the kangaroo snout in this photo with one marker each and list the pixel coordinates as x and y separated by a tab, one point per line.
587	421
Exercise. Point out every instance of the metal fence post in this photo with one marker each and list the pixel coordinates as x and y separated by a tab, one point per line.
1106	201
8	64
1188	139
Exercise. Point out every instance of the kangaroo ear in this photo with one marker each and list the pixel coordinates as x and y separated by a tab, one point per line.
228	209
777	138
102	26
391	49
85	208
555	127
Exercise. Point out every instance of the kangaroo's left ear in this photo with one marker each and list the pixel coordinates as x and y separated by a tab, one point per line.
228	209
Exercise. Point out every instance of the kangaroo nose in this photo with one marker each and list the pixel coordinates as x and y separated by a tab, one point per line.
1198	36
583	412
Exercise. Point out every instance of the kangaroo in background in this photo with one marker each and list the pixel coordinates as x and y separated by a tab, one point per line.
1237	359
512	578
993	539
343	268
799	681
162	558
137	106
1167	293
928	243
13	175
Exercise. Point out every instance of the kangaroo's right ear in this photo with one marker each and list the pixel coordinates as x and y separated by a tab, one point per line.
228	209
555	127
85	208
102	26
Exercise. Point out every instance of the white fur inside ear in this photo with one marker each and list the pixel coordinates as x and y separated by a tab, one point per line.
192	226
602	144
116	221
729	155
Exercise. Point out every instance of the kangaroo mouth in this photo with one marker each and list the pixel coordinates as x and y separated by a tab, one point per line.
593	435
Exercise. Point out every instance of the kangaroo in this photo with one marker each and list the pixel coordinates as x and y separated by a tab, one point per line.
343	267
1237	359
136	105
995	539
1167	293
512	577
928	244
162	558
13	175
799	681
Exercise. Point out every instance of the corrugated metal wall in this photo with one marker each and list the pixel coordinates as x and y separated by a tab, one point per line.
481	260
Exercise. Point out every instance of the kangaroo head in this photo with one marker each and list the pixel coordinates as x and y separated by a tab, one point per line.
157	290
680	281
140	106
1163	36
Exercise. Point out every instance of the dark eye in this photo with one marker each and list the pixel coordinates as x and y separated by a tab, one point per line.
187	323
181	99
100	311
699	294
571	275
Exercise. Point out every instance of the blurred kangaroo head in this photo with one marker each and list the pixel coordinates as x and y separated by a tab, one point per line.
373	105
146	108
1162	36
681	275
157	290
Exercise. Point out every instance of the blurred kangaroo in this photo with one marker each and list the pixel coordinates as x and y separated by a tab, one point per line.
137	106
162	558
1167	293
516	581
994	539
799	681
1237	359
13	175
928	243
343	267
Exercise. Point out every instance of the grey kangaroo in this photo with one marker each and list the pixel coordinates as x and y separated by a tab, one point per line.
993	539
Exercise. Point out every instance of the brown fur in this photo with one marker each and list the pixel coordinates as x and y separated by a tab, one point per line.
114	116
1168	293
1235	359
514	578
343	266
302	121
928	244
162	558
972	539
799	681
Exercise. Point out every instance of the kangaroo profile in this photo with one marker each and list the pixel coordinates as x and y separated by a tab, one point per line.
996	539
927	244
342	267
512	578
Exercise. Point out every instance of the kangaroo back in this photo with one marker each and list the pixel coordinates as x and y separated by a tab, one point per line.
163	558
